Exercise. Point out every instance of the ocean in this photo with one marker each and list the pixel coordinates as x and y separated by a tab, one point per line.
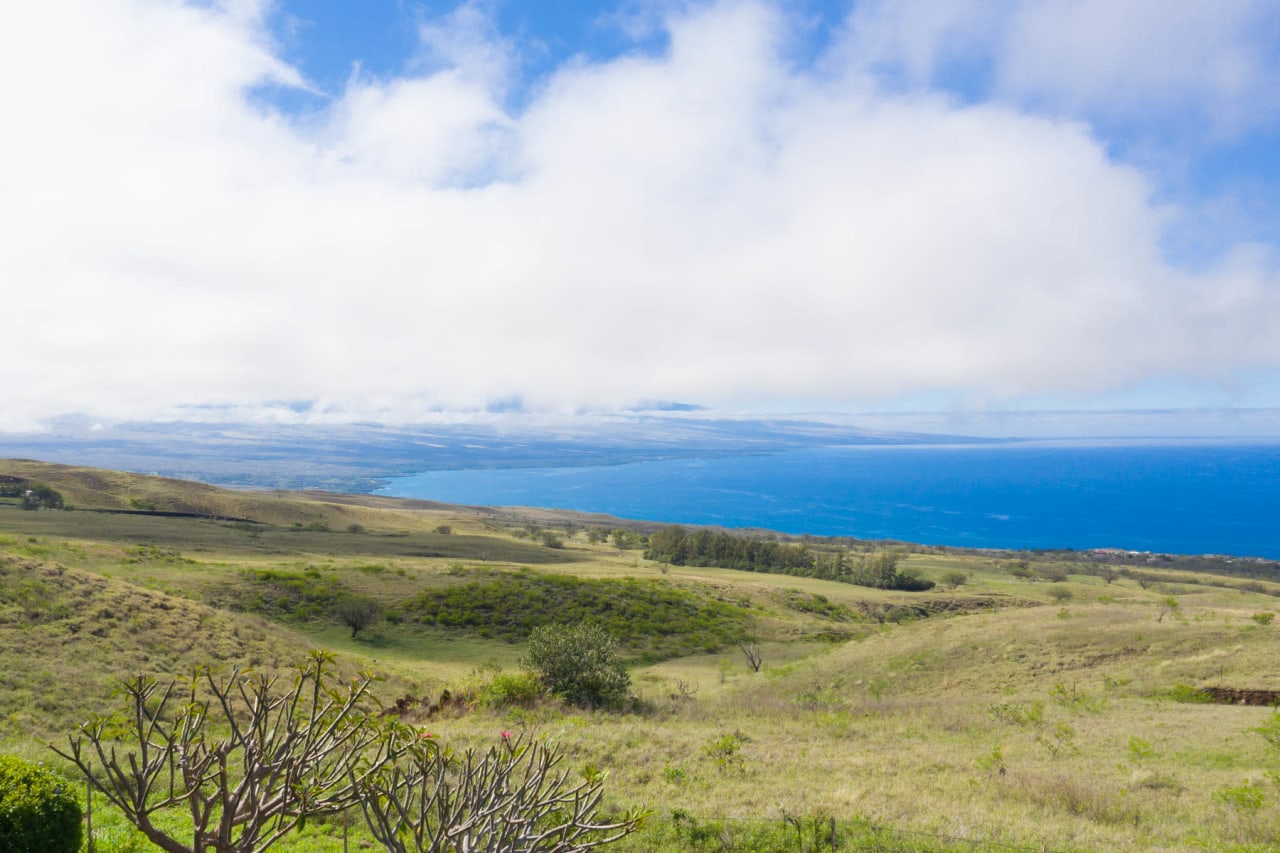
1167	497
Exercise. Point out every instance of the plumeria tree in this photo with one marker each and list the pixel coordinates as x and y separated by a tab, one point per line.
516	796
247	757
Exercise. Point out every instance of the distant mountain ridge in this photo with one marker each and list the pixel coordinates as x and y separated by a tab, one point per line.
357	457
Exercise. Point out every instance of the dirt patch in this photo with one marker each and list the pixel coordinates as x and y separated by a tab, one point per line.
1238	696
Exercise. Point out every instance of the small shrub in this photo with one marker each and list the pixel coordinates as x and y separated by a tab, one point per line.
1245	799
1060	594
1018	713
1187	693
38	812
725	752
955	579
1059	740
444	529
993	763
1074	699
1270	730
1139	749
1265	617
521	689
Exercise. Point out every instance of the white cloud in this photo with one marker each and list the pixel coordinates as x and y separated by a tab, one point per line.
1143	56
1213	64
710	225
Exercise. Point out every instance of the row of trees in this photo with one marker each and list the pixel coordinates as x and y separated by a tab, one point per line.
623	540
678	546
879	569
249	760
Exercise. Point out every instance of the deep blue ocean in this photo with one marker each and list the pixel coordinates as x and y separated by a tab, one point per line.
1173	498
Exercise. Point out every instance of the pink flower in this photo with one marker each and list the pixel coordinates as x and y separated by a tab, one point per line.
426	734
506	735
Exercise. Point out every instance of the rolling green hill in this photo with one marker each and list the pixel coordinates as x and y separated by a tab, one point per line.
1026	700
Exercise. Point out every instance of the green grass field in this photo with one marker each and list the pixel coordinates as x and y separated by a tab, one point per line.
998	713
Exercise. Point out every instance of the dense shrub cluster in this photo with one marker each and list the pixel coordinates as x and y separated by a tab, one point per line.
652	619
818	605
38	812
283	594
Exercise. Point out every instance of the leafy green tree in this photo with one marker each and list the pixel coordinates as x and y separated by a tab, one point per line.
579	663
357	613
1019	569
881	569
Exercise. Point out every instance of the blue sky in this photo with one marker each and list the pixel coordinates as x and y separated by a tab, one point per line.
394	210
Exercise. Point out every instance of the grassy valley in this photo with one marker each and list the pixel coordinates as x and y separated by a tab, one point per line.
1026	701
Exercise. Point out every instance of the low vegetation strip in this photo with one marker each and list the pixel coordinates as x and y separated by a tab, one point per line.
284	594
652	619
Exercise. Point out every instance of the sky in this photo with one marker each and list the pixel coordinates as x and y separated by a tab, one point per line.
385	210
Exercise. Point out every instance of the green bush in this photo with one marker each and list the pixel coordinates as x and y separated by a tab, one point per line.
1187	693
512	688
38	812
578	663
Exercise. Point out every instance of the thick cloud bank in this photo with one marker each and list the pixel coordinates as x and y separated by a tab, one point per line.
715	223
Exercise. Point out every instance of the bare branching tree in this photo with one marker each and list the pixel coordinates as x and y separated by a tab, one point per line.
246	757
685	690
753	653
514	797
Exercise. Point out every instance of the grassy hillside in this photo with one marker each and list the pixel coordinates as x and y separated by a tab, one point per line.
1020	702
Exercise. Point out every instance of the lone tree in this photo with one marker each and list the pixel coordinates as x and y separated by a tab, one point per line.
248	759
579	663
515	796
753	653
1060	594
358	613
